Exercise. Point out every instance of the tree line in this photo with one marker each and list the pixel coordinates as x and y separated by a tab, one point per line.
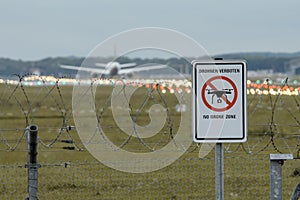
50	66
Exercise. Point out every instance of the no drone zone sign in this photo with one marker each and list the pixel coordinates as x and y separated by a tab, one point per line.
219	101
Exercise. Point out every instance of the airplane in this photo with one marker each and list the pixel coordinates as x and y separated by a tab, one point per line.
114	68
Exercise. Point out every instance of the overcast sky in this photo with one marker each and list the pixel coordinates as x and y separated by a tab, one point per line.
34	29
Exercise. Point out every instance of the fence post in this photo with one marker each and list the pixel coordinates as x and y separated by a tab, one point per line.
296	193
276	161
32	143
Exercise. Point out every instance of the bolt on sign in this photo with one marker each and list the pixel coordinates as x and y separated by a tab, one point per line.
219	101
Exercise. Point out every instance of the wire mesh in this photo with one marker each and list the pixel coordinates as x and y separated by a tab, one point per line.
68	171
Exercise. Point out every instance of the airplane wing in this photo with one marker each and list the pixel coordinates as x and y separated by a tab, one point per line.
127	65
101	65
85	69
142	68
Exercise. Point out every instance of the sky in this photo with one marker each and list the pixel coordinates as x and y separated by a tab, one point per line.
33	29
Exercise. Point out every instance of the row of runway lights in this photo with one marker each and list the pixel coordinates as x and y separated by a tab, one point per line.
253	87
267	88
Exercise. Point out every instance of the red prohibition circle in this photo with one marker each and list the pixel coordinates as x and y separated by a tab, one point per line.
209	83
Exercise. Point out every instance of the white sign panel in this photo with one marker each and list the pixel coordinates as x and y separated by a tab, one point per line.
219	101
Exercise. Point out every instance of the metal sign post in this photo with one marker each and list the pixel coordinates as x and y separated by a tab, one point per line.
219	158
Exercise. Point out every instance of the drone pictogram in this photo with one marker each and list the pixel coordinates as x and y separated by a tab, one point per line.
213	97
219	94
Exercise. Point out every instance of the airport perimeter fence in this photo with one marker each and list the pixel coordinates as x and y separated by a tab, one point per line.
68	171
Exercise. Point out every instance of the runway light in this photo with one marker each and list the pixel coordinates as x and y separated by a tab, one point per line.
188	90
295	82
270	82
154	86
161	87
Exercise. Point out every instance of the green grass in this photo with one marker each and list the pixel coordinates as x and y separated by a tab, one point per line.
246	175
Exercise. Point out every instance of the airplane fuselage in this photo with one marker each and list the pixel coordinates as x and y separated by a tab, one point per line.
113	68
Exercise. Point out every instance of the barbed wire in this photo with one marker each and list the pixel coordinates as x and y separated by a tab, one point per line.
38	99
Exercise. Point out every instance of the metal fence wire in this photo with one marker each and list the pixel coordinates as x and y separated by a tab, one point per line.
68	171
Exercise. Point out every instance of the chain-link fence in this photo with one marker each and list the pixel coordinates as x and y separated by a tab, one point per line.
68	171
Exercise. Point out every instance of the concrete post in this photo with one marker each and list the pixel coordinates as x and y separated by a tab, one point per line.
276	162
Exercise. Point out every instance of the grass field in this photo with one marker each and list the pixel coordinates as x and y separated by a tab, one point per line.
273	127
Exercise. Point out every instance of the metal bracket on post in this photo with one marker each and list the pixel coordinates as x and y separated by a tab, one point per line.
219	157
276	162
32	143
